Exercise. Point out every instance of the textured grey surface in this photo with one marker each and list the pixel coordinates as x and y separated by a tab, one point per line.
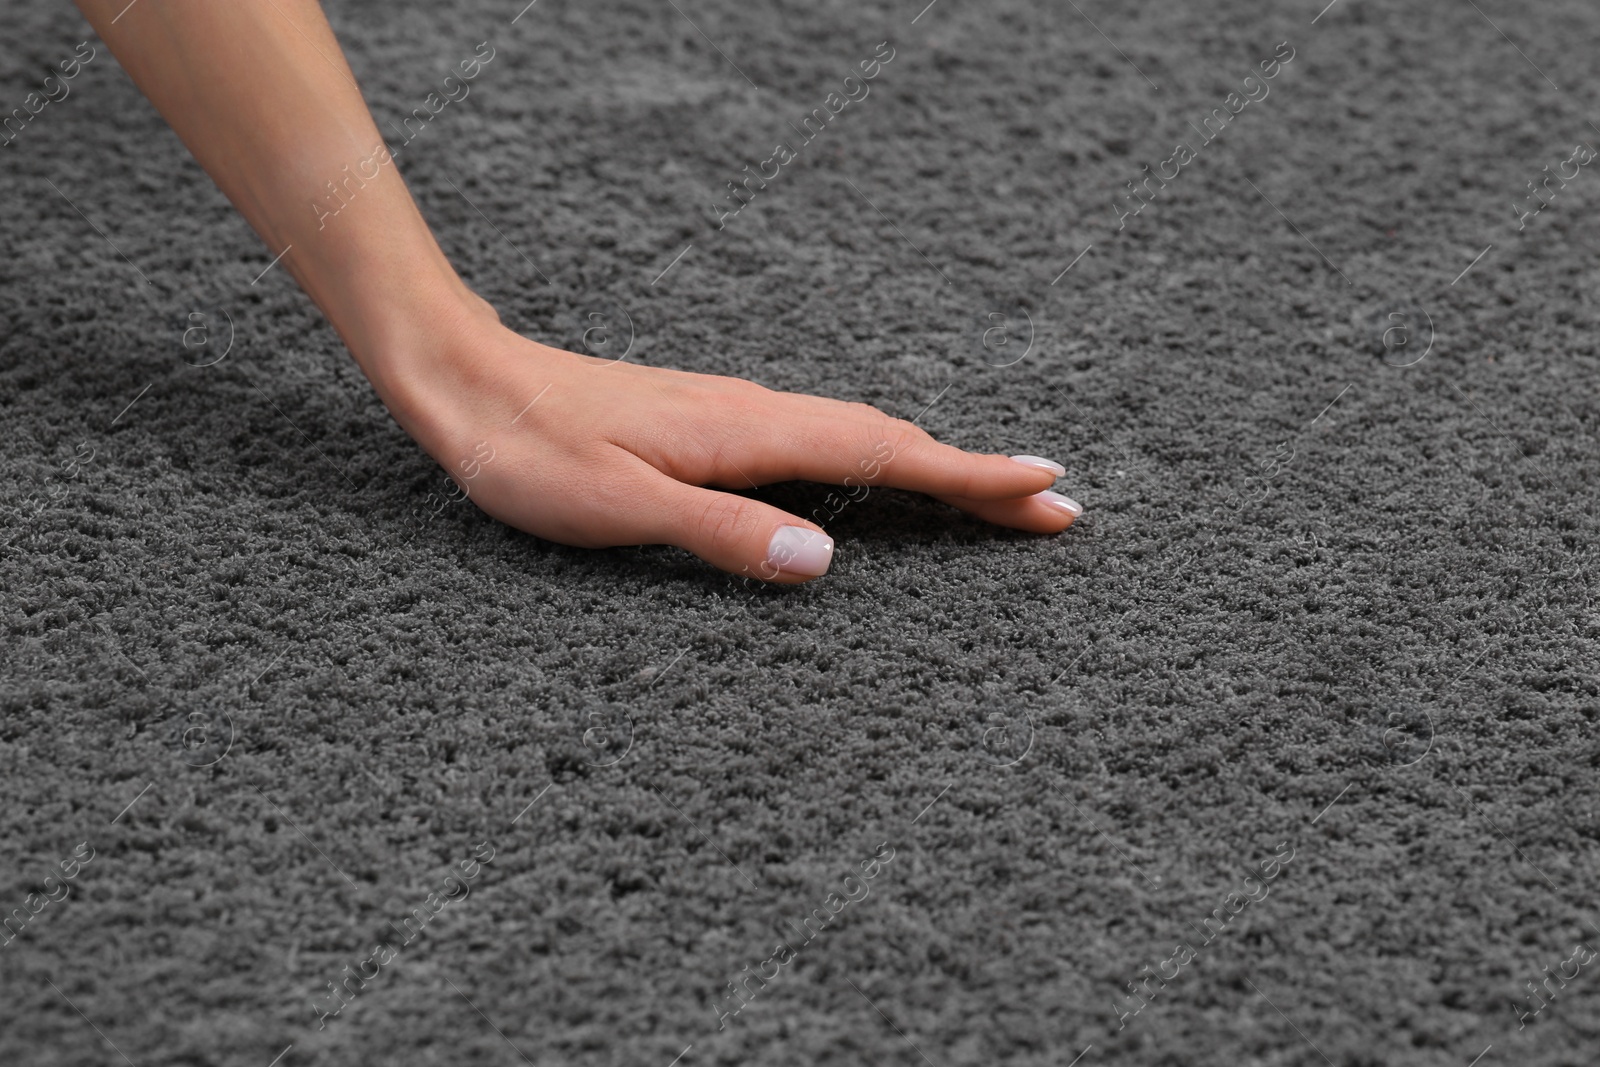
1272	606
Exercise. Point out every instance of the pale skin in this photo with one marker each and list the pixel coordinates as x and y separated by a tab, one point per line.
612	453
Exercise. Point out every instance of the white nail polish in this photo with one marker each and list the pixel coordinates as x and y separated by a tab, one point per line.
1056	500
1043	464
800	551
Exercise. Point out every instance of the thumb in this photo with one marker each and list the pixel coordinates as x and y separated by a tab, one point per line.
737	534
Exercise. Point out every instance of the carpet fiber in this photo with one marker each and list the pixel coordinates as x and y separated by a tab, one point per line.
1283	755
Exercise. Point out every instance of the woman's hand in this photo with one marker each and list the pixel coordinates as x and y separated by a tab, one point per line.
596	453
573	449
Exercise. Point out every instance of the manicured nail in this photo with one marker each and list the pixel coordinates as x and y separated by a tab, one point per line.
1056	500
798	550
1043	464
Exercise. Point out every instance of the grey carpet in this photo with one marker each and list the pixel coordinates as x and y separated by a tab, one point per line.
1332	598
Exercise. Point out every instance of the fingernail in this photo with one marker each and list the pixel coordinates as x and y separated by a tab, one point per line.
1056	500
798	550
1043	464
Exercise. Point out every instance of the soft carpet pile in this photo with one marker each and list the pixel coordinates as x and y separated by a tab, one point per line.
1283	755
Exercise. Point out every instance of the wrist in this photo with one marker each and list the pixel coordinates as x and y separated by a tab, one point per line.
397	327
423	353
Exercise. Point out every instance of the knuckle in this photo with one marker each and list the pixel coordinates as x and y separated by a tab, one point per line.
741	402
742	387
723	521
904	435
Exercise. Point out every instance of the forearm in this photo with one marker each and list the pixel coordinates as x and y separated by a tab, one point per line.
260	93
